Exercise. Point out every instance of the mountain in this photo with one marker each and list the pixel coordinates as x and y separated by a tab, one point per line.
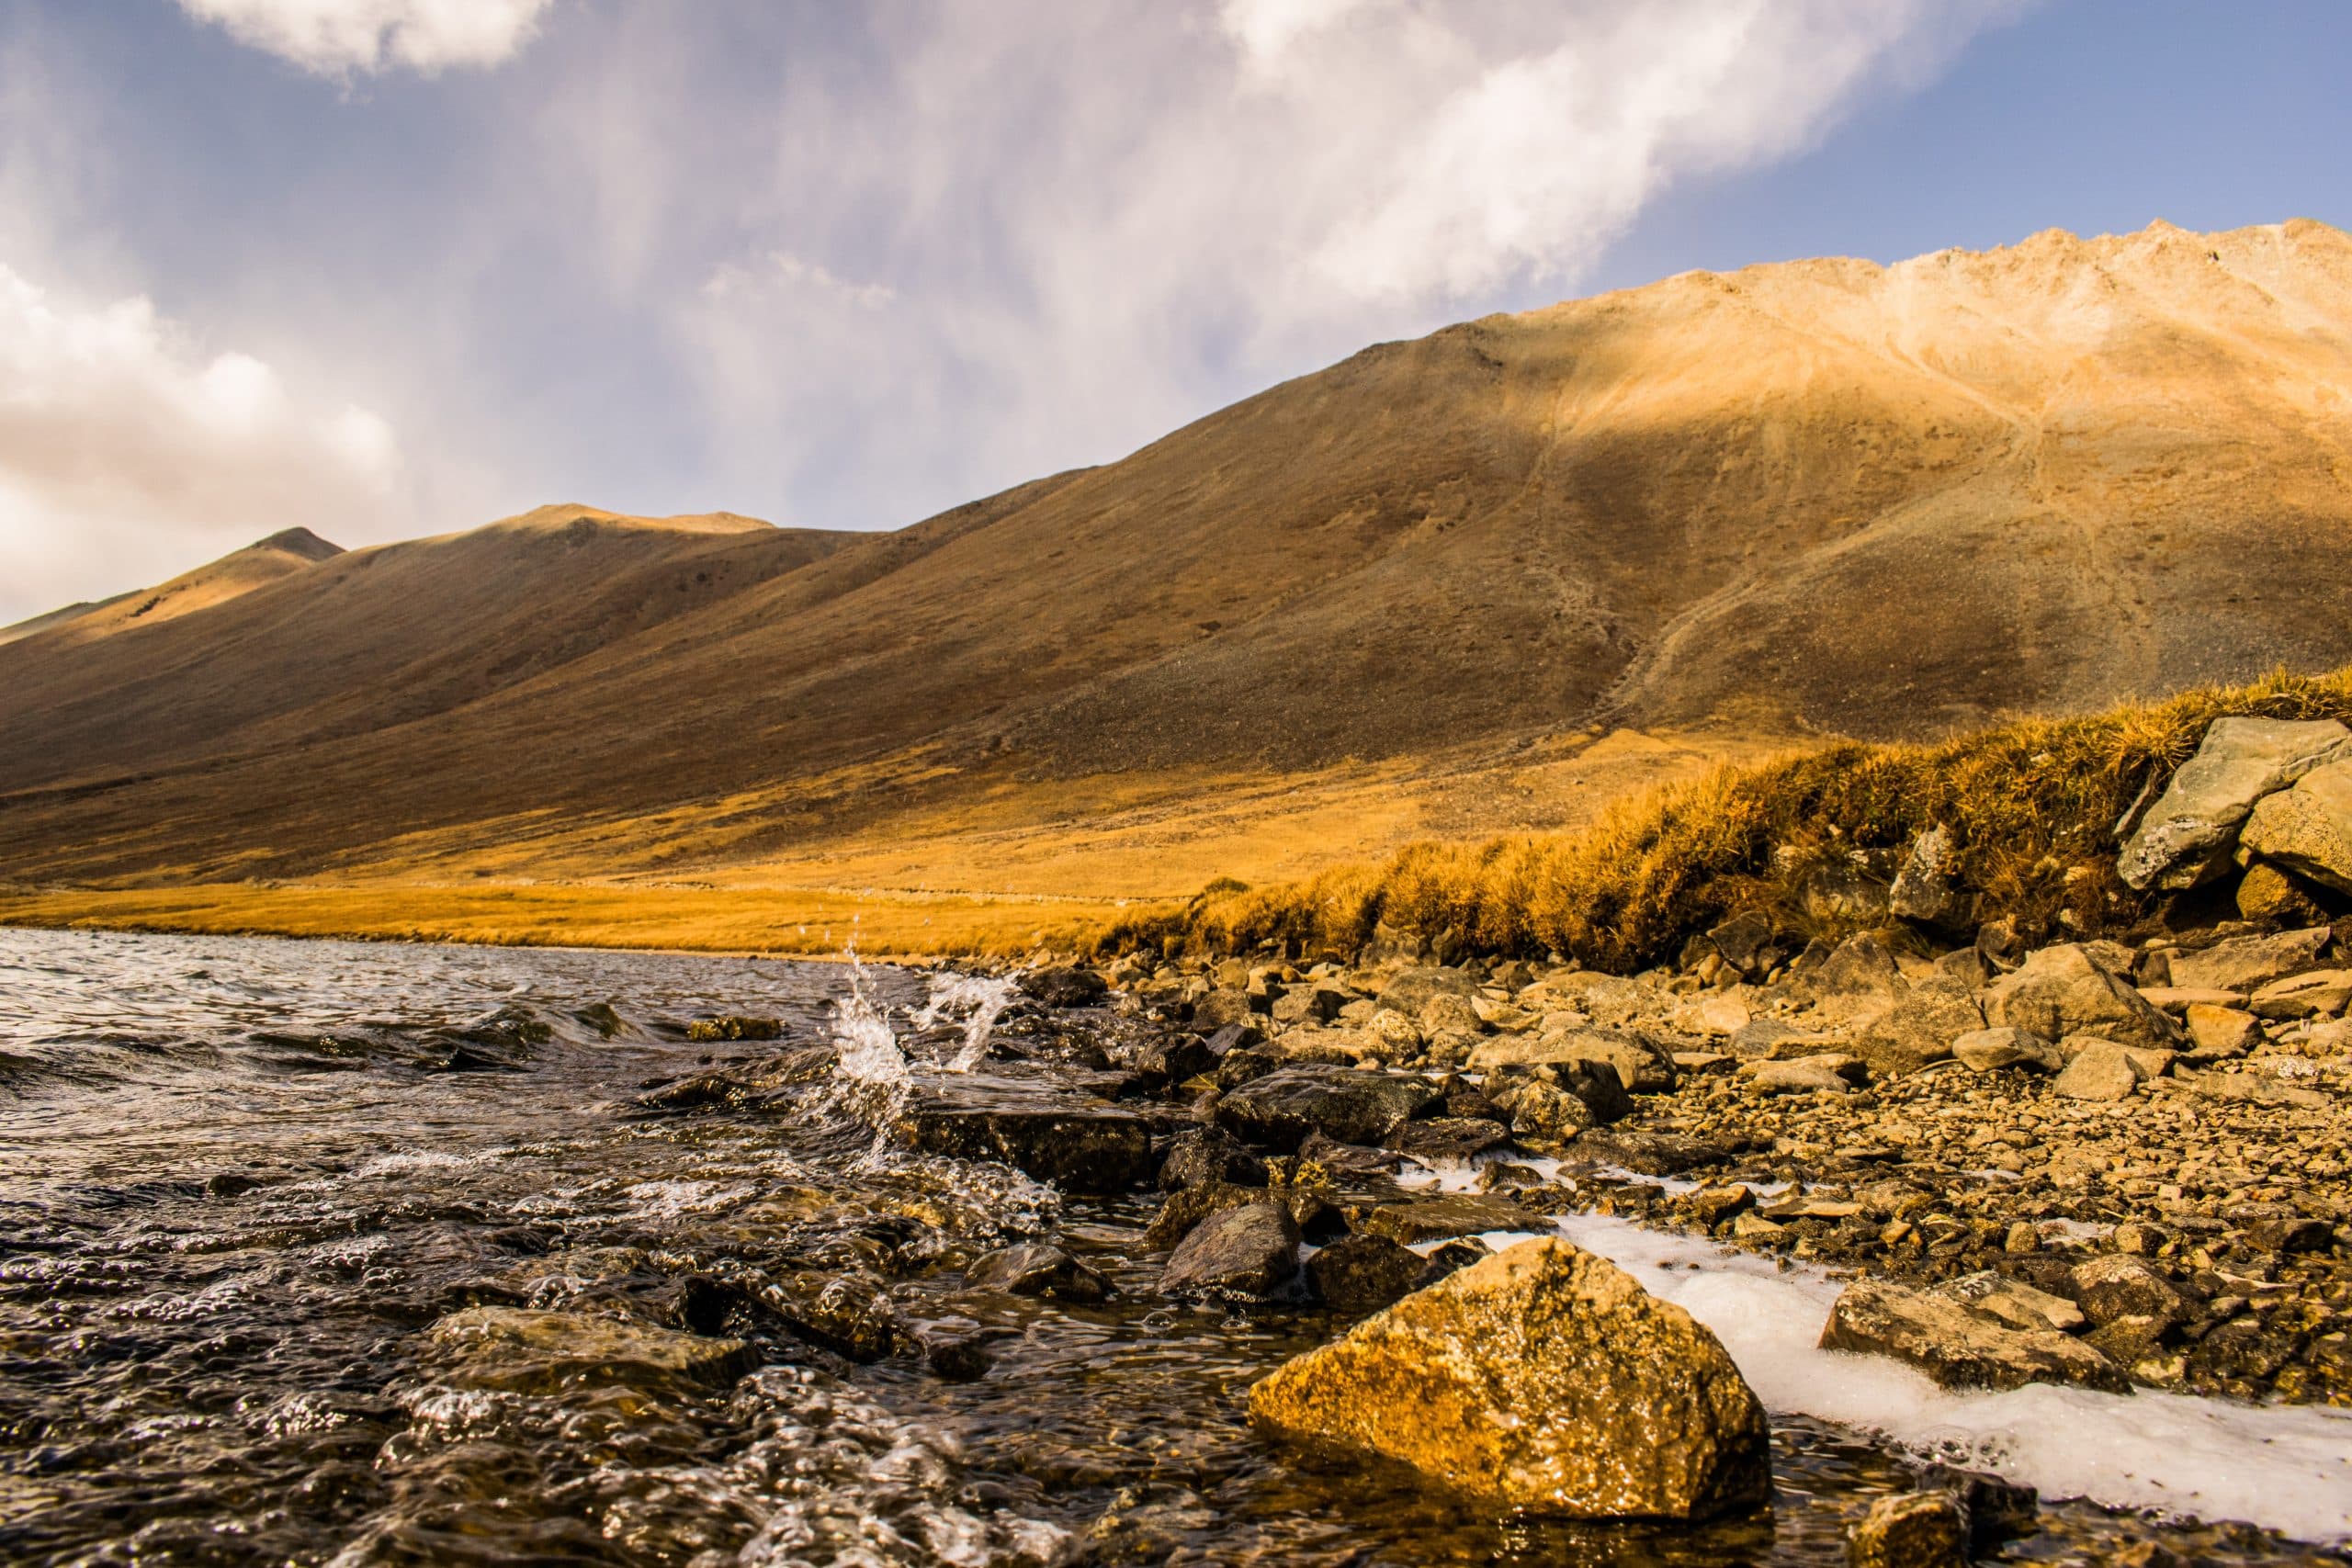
1803	499
263	561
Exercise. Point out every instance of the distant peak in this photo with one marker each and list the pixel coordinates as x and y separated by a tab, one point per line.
299	542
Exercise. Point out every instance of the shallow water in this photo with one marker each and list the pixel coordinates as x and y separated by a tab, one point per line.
240	1181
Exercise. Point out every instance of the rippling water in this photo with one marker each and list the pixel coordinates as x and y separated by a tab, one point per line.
241	1181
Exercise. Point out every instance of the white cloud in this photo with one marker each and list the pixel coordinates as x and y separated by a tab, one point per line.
1098	221
126	454
337	37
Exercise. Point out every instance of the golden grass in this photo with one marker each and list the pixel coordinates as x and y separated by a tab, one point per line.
2027	804
701	919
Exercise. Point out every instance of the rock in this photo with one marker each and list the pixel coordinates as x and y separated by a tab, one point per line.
1746	943
1912	1529
1543	1380
1360	1274
1236	1254
1201	1154
2270	897
1858	976
2000	945
1917	1031
2323	992
1923	889
1713	1014
2129	1340
2015	1302
2246	964
2059	991
509	1348
1077	1148
2115	1286
1279	1111
1710	1206
1544	1110
1807	1074
2103	1072
959	1358
1065	987
1990	1050
1409	991
2178	999
2194	823
2288	1235
1312	1002
1768	1040
1998	1510
1221	1008
1595	1084
1650	1154
729	1026
1234	1037
1641	1067
1964	969
2308	829
1436	1219
1244	1063
1449	1137
1034	1269
2215	1032
1957	1345
850	1314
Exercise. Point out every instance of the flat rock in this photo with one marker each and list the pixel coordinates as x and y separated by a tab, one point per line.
2015	1302
2193	824
1078	1147
1448	1137
1917	1030
1436	1219
1282	1110
1807	1074
1236	1254
2178	999
2323	992
1957	1345
2220	1032
1410	991
2246	964
1650	1154
1989	1050
512	1348
1543	1380
1202	1155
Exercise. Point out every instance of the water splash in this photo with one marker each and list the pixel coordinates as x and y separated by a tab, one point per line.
869	1062
980	1000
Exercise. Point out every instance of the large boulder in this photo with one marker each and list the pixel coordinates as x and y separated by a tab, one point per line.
2062	990
1958	1346
1410	991
1917	1031
2246	964
1236	1254
1078	1147
2308	829
1542	1380
2188	834
1924	889
1360	1274
1642	1066
1282	1110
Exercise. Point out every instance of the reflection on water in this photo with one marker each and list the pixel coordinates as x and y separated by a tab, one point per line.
242	1181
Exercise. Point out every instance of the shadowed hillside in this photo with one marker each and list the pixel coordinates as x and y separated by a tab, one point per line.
1808	499
263	561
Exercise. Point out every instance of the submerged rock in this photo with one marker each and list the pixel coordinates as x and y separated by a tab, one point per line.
1247	1254
512	1348
1957	1345
1035	1269
1544	1380
1912	1529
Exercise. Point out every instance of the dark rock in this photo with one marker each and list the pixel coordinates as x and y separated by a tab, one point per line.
1202	1155
1359	1274
2000	945
1079	1149
728	1026
850	1314
1168	1059
960	1357
1244	1063
1185	1209
1221	1009
1034	1269
1745	942
1998	1510
1348	1159
1234	1037
1236	1254
1280	1110
1650	1154
1434	1219
1448	1137
2287	1235
1065	987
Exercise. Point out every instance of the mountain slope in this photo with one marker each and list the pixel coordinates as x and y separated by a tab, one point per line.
1805	498
217	583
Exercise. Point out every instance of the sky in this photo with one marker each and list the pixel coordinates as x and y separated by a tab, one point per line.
393	267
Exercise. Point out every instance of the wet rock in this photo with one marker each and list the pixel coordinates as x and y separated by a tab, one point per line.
1202	1155
1280	1110
2308	829
743	1084
1955	1344
1077	1148
1448	1137
1998	1510
2246	964
1035	1269
1247	1254
2129	1340
1710	1206
1065	987
1360	1274
1649	1152
1184	1210
2061	991
850	1314
1435	1219
1914	1530
1163	1061
2117	1286
1244	1063
2193	824
1542	1380
511	1348
1234	1037
1990	1050
961	1356
729	1026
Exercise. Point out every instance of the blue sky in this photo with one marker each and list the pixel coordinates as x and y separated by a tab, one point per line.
388	267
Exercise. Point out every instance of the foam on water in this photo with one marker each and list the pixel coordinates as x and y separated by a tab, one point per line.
978	999
2287	1468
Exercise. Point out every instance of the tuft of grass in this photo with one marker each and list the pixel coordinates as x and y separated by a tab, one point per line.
2032	808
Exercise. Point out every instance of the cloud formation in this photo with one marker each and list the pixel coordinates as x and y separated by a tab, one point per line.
334	38
120	437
